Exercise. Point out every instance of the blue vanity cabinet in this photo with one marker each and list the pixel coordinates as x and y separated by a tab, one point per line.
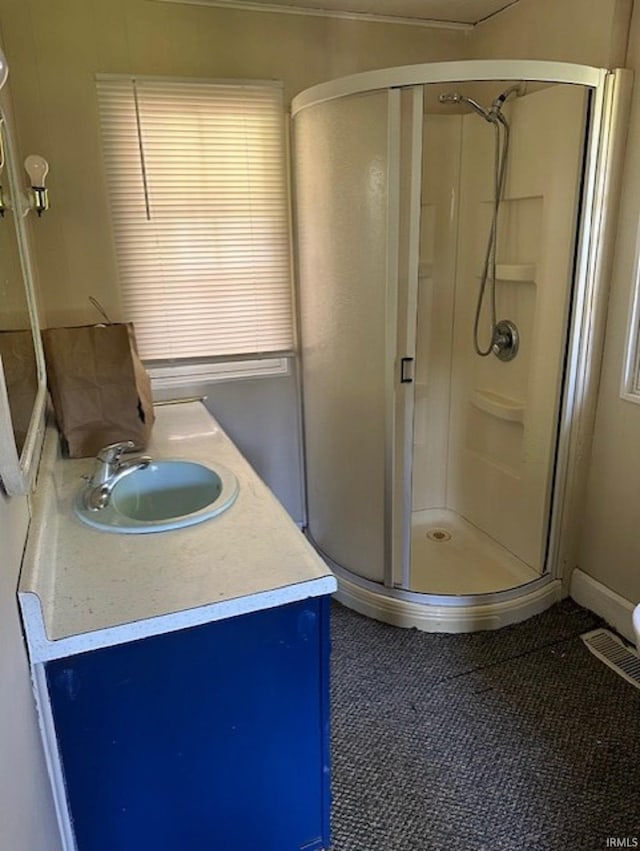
212	738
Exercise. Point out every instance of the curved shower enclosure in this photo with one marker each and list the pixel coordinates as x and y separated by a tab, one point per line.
451	221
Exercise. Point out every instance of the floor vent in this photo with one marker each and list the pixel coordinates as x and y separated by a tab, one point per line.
614	653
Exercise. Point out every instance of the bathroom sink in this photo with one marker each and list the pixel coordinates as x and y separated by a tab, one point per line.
165	495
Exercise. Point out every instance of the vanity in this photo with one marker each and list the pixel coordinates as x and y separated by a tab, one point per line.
181	676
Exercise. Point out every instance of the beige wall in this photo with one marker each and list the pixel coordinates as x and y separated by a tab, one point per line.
610	540
594	32
55	49
589	32
27	820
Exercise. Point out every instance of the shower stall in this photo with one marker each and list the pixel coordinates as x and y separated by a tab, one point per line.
452	246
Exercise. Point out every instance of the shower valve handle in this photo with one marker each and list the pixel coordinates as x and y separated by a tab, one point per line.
506	340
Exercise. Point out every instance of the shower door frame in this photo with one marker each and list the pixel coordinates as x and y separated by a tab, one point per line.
401	395
610	91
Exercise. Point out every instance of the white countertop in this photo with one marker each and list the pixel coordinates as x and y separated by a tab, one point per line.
82	589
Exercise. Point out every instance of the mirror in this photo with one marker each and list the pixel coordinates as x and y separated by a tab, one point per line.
22	373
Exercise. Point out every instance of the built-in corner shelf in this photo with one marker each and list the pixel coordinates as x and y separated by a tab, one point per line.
502	407
516	272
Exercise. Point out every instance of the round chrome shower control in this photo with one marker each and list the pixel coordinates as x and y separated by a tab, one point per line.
506	340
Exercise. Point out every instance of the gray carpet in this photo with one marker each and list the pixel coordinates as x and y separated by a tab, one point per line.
514	740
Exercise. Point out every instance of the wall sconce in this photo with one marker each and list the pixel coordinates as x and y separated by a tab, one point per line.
37	168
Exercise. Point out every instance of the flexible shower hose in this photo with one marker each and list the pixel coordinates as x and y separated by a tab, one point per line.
501	153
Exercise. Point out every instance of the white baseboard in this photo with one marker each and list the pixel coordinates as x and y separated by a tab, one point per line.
593	595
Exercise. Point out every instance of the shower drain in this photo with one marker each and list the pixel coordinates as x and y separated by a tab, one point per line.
439	535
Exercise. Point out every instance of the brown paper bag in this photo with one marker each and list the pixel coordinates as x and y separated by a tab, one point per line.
21	376
100	390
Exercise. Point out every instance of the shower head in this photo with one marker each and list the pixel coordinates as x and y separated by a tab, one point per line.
494	113
456	97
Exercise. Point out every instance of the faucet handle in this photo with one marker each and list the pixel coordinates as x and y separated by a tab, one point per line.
111	454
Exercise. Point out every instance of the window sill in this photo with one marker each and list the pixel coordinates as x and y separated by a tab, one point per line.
184	375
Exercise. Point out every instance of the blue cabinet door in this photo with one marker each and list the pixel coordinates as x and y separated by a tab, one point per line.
214	738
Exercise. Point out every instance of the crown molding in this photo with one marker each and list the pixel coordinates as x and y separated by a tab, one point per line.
249	6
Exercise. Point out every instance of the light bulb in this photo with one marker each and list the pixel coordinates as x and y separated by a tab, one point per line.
4	69
37	168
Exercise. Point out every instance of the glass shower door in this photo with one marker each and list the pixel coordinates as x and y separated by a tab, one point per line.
348	194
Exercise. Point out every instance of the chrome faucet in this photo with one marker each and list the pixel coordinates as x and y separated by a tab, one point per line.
109	470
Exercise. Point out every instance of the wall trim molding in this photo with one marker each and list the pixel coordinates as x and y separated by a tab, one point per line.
615	609
367	17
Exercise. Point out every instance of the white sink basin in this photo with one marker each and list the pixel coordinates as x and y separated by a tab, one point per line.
163	496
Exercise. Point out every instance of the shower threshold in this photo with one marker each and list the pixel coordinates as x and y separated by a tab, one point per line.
449	555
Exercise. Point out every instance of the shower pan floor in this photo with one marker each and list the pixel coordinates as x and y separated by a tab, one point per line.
449	555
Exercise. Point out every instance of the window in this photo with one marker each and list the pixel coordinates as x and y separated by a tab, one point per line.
196	175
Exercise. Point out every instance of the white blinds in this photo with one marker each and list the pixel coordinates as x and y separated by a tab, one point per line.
197	183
